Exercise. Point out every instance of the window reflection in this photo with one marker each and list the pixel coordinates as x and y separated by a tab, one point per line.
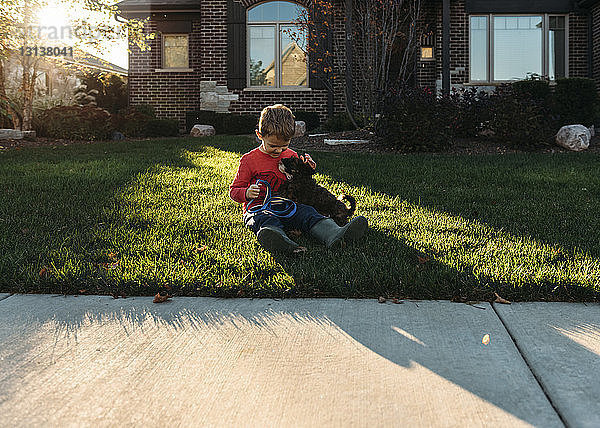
278	49
517	47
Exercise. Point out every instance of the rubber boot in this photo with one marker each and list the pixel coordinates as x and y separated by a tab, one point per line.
274	239
329	233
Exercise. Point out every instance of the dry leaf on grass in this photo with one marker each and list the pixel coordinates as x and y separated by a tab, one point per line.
160	299
44	272
381	299
300	250
423	260
486	339
501	300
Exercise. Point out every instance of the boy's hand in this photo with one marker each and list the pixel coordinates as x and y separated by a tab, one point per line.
252	191
307	159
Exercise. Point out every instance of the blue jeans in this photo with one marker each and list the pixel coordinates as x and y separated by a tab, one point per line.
303	219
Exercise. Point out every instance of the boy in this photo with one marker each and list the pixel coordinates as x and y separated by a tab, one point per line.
275	130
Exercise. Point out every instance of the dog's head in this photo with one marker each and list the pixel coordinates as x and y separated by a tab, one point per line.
294	168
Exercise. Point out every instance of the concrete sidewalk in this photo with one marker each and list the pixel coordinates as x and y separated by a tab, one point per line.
99	361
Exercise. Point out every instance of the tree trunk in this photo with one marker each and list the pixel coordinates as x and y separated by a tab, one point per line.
5	102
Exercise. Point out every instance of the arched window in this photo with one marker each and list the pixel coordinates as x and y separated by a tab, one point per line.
277	48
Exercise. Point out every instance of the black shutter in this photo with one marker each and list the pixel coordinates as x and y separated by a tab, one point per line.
319	39
236	45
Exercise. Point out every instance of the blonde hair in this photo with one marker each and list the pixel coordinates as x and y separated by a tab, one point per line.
277	120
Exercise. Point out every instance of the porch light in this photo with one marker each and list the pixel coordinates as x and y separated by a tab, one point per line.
426	53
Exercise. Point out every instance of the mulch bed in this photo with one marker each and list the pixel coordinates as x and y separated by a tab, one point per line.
310	143
375	145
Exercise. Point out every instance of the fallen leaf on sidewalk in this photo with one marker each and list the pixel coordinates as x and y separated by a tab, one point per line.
501	300
396	301
160	299
381	299
486	339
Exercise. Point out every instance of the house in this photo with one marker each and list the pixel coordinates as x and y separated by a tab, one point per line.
234	56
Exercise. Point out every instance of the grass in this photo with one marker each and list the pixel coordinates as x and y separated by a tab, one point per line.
143	216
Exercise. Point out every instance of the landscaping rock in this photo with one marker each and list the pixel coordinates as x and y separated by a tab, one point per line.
202	131
117	136
300	129
574	137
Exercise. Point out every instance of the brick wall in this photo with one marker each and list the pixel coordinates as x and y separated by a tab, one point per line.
459	44
174	93
596	46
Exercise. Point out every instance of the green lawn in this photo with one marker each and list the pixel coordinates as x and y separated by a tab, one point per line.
142	216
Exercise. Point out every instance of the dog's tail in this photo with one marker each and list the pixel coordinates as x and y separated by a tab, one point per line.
350	199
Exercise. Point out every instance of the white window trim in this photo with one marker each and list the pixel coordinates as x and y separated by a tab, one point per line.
277	25
162	54
545	45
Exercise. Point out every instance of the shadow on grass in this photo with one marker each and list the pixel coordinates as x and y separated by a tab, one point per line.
552	198
169	198
408	335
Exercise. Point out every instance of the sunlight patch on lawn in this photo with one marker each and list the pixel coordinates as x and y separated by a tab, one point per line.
491	255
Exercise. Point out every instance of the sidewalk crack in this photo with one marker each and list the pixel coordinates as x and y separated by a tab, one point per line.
537	379
6	297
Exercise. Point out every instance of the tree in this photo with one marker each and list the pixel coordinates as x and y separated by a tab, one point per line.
375	31
20	29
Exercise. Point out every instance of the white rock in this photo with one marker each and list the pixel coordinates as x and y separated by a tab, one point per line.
300	128
574	137
339	142
202	131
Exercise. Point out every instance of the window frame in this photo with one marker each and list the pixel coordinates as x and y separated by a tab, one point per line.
545	44
162	51
277	25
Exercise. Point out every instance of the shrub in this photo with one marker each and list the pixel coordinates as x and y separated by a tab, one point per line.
576	101
204	117
74	123
236	124
532	89
523	121
341	122
474	111
310	118
132	123
145	109
162	128
224	123
415	119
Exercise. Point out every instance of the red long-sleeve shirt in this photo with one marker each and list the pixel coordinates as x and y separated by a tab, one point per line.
256	165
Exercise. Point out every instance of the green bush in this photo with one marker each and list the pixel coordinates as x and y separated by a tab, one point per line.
532	89
521	121
132	124
224	123
576	101
204	117
74	123
162	128
145	109
341	122
236	124
310	118
415	119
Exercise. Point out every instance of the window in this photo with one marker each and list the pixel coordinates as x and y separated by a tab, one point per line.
175	51
504	48
276	46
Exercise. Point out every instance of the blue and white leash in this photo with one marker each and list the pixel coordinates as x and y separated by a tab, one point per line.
268	206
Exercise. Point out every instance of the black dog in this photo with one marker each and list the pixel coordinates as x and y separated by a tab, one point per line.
301	187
